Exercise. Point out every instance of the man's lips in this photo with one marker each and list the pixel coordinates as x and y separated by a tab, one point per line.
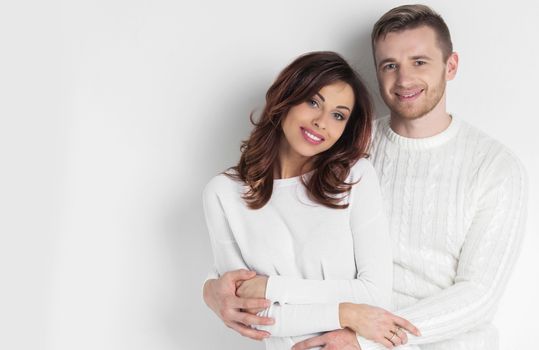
311	136
408	95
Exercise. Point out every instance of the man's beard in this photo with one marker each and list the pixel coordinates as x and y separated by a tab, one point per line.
402	112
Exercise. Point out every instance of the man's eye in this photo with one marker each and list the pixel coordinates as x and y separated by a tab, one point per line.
420	63
390	66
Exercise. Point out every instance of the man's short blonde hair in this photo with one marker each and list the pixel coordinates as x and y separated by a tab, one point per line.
410	17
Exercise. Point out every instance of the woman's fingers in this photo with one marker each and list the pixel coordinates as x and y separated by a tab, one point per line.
402	335
405	324
393	338
385	342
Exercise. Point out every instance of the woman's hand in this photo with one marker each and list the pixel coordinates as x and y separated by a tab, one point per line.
252	288
376	324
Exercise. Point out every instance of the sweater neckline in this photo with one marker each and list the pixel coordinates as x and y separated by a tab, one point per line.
291	180
286	182
425	142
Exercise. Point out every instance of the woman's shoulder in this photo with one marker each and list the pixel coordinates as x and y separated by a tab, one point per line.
222	183
361	169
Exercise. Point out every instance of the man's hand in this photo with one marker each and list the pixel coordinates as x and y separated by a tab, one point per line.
376	324
220	296
343	339
252	288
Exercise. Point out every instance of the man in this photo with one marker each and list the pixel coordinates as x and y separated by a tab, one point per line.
455	199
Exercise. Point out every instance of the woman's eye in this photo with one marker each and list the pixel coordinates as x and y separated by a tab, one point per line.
313	103
338	116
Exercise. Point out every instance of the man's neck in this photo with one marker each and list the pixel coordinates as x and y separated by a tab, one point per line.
421	127
427	125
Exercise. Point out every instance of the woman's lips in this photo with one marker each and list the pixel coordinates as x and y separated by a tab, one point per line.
311	136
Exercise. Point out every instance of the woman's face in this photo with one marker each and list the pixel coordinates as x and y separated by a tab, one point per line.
315	125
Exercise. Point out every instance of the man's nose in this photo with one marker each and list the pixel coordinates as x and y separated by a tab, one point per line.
404	76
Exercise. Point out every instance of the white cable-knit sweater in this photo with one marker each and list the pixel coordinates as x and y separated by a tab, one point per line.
456	206
317	257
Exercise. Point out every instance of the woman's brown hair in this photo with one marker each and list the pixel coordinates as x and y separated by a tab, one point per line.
297	83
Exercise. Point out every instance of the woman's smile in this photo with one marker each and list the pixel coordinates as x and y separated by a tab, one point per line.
311	136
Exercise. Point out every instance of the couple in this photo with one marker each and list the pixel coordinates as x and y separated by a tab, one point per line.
304	254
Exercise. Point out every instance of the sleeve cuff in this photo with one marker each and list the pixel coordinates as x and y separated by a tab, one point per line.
276	289
366	344
296	320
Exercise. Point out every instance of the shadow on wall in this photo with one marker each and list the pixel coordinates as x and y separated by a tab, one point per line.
359	54
186	241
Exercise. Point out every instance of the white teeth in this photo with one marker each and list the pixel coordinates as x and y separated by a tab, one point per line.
312	137
410	95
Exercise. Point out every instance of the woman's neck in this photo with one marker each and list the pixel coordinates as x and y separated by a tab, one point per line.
291	165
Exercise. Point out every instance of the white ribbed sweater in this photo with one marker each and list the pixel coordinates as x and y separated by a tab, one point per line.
456	206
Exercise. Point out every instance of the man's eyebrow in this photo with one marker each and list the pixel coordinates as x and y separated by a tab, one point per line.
421	57
385	60
418	57
321	97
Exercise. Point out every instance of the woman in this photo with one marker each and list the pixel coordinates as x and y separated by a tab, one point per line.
303	206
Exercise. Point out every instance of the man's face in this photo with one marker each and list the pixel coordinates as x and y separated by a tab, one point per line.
411	72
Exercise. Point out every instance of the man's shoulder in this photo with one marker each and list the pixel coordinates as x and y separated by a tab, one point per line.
379	124
489	152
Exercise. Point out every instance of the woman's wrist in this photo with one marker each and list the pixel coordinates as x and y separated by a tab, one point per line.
345	310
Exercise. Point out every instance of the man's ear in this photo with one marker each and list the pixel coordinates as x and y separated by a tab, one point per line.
451	66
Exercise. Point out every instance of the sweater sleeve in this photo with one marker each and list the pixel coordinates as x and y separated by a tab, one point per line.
372	252
487	258
311	306
290	320
226	252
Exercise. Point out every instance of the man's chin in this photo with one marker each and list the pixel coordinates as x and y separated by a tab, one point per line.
407	115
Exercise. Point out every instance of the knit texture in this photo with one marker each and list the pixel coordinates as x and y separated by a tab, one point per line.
456	207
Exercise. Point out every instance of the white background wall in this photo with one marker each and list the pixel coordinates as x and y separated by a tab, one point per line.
114	114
